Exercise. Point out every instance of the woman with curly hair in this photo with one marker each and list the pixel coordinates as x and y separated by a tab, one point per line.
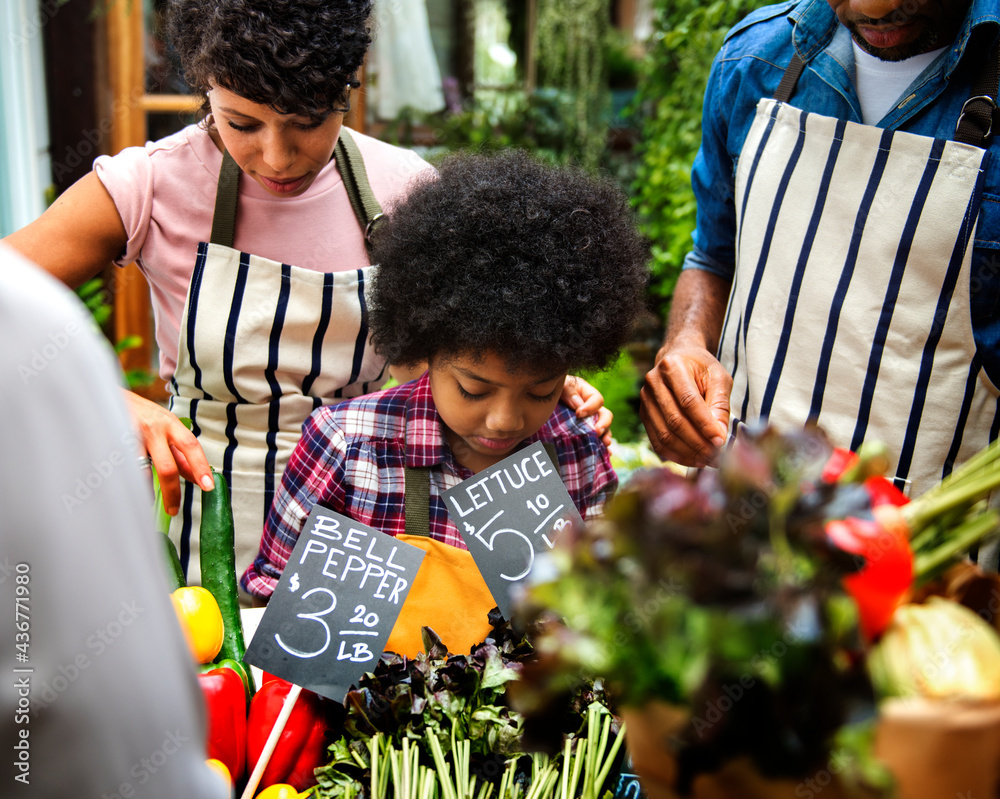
503	275
252	229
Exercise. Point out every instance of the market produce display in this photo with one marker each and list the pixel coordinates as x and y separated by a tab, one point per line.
740	611
750	625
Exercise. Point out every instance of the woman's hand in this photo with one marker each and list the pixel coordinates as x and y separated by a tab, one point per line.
173	449
578	394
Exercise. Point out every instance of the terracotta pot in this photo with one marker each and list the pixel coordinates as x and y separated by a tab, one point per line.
935	749
938	748
647	736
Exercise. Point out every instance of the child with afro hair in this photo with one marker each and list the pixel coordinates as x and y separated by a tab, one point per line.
502	275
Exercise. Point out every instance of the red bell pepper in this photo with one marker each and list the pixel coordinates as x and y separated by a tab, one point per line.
882	583
840	461
887	574
843	464
226	703
303	743
240	668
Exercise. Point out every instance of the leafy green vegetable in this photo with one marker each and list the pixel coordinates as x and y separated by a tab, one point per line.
720	593
441	722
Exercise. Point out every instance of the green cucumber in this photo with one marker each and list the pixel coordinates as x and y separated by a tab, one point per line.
175	573
218	564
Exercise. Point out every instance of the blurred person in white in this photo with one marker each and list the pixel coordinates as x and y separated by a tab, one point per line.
99	697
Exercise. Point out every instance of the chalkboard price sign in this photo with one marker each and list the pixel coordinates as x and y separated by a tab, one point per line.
336	602
510	513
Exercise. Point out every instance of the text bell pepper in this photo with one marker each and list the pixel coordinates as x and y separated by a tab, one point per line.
303	742
226	703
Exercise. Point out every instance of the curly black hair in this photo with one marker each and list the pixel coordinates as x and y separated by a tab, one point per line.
296	56
539	265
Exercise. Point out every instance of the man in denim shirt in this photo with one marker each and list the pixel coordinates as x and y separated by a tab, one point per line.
848	299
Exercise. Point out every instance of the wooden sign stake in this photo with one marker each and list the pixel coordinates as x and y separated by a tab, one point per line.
272	742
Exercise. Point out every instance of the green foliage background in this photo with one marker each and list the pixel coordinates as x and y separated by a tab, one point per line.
581	58
687	35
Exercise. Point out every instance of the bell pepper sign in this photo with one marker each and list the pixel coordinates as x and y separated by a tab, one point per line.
334	605
226	704
302	745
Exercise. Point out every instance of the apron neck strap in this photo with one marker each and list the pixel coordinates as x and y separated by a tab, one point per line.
979	114
417	499
352	170
224	217
789	79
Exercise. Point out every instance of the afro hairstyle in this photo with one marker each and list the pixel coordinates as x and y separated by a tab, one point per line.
541	266
295	56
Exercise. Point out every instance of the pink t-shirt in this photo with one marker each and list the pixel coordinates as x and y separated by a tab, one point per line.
165	194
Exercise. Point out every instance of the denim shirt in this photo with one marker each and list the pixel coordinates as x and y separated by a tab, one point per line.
750	65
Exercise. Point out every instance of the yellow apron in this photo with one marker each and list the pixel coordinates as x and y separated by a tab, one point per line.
448	594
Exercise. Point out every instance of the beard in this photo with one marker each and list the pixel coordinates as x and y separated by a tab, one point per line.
925	42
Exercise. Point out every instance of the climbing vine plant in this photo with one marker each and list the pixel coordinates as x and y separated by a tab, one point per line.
570	40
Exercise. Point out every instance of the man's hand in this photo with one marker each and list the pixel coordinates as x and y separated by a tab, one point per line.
684	402
173	449
685	405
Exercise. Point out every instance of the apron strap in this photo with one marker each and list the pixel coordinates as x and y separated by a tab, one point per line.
975	123
979	114
224	217
417	499
789	79
352	169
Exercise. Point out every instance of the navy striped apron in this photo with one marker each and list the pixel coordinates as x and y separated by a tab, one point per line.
262	344
850	303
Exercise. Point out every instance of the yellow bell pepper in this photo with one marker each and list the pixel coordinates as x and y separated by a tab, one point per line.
222	769
201	620
281	790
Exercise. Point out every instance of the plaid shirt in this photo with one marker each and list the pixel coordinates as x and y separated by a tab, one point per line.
351	459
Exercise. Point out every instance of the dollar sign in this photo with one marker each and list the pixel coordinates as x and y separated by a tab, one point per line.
293	584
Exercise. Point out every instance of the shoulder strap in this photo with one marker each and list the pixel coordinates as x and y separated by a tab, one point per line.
352	169
789	79
417	500
979	114
224	217
550	449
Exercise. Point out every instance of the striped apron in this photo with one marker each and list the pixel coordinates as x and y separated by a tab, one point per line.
263	344
850	304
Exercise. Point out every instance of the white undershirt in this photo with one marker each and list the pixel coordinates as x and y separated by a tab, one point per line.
881	83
